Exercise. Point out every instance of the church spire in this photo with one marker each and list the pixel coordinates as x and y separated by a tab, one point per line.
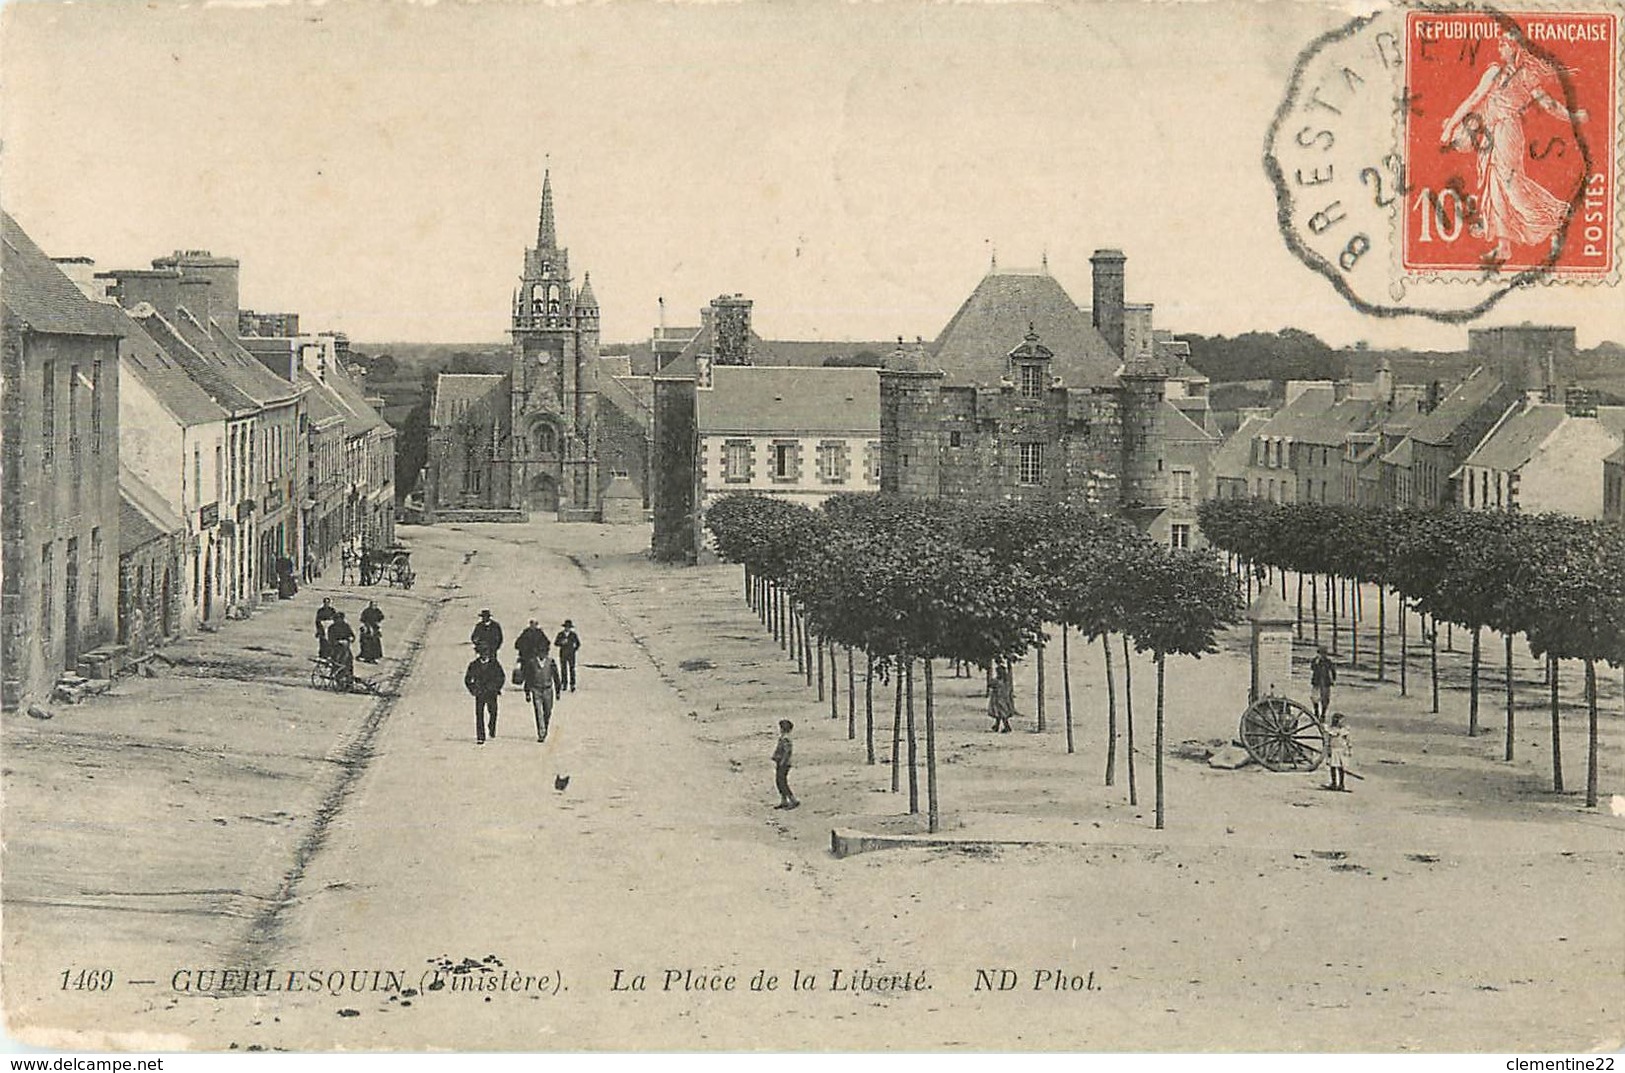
546	237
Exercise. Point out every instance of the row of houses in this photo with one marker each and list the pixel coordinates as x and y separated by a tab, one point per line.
164	461
1510	437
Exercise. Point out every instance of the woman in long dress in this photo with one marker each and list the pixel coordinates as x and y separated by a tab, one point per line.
372	634
1512	207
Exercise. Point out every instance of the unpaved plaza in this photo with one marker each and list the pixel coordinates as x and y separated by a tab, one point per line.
356	874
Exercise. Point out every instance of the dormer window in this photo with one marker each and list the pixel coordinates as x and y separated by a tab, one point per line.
1031	380
1030	362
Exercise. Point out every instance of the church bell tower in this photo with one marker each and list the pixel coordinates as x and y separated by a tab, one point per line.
554	464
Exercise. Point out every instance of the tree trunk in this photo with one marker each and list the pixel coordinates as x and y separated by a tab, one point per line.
1404	651
1591	732
1161	659
1040	687
823	642
1128	715
1283	583
1111	713
1066	687
869	705
1449	638
1353	610
1509	696
1333	592
1314	604
795	640
1433	659
1472	688
851	696
834	682
1552	669
747	587
913	744
1300	606
897	727
930	751
1382	635
806	651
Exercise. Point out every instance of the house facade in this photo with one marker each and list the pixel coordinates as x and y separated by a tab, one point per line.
59	432
801	434
1544	457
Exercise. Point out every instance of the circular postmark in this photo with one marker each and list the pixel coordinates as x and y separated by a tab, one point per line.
1429	160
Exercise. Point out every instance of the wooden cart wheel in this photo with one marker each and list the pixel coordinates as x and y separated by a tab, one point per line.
1283	735
318	676
343	677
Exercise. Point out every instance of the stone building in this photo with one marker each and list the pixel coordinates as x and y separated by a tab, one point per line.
1544	456
151	566
1026	396
565	435
59	431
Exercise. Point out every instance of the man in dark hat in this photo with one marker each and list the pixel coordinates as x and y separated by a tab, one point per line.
487	635
484	680
568	643
325	615
339	636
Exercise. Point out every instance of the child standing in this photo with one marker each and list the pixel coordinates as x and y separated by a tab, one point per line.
781	766
1339	751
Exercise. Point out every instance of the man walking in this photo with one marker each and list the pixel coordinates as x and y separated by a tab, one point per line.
568	642
532	641
487	635
483	681
540	676
1322	676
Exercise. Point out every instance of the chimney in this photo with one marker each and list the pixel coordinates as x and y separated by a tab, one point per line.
1107	311
1340	390
159	288
196	294
1385	381
222	272
81	272
662	301
730	329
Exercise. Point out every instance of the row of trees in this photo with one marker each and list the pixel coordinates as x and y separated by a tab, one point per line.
1559	581
910	582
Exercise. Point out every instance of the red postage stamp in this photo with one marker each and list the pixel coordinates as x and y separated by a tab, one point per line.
1511	161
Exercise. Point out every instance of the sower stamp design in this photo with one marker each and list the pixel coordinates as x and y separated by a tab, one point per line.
1428	161
1509	142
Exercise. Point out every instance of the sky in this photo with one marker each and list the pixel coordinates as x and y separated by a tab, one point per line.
853	168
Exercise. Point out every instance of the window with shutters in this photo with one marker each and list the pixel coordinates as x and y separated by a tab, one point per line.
736	461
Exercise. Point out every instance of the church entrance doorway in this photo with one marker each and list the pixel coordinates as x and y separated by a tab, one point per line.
542	496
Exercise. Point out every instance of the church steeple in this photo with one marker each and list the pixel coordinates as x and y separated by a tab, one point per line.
546	235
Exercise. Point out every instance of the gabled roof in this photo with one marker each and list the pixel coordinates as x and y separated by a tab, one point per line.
144	360
360	416
1463	402
974	346
204	371
1179	426
1401	455
320	402
1517	437
143	514
1236	453
246	371
687	362
631	395
1309	418
766	400
455	392
34	290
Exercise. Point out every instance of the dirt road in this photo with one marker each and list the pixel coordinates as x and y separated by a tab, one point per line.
458	900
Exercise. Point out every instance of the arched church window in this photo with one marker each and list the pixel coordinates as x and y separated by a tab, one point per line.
553	293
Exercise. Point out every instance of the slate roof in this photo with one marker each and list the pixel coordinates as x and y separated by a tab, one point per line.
765	399
1515	440
1402	455
452	389
632	395
1617	458
1235	454
146	361
974	346
320	402
1180	427
1437	427
1296	415
207	373
360	416
143	514
34	290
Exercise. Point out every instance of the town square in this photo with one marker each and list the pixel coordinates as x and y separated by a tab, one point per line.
928	570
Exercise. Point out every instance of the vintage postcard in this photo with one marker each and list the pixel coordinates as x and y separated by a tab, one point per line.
813	527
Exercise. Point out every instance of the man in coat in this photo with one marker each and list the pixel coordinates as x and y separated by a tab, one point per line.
568	643
532	642
1322	676
484	680
487	635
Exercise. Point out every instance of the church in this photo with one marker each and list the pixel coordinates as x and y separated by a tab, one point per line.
552	436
